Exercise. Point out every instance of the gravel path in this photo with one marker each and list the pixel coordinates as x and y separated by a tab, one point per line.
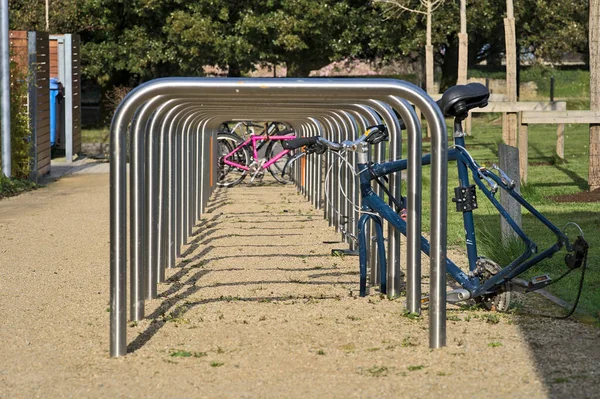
256	308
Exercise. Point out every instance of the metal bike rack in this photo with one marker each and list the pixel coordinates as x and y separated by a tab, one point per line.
173	125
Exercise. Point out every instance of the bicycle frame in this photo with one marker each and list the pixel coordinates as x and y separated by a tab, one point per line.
254	139
373	203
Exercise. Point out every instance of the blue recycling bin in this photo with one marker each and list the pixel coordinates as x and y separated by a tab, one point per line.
56	96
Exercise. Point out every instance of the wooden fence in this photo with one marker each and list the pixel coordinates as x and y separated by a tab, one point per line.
561	118
29	50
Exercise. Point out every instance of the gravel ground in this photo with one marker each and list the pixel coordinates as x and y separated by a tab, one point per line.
256	308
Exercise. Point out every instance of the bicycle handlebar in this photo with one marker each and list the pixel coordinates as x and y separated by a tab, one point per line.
373	135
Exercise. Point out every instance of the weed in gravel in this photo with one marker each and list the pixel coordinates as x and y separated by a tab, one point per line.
470	307
373	349
411	315
378	371
216	364
321	352
353	318
415	368
176	316
348	348
453	317
202	263
491	318
442	374
229	298
516	307
133	324
561	380
409	341
495	344
184	353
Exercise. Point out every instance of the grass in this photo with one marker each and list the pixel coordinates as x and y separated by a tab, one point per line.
547	180
572	85
100	135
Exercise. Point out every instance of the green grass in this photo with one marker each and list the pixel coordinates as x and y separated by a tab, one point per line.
547	179
572	85
95	135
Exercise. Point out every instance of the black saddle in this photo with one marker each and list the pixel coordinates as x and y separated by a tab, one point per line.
457	101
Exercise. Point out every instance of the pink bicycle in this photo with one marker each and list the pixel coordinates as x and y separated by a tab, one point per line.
239	158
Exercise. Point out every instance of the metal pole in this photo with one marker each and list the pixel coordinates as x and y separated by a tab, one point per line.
393	245
5	67
229	91
413	198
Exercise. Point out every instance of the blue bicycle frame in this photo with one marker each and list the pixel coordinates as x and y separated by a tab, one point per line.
371	203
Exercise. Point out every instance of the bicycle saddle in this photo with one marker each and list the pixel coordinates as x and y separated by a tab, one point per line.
458	100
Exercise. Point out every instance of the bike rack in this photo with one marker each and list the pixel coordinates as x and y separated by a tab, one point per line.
172	124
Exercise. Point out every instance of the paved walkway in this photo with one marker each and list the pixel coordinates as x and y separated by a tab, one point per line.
60	168
257	307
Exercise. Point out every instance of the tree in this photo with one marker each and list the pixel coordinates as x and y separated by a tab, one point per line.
424	7
237	35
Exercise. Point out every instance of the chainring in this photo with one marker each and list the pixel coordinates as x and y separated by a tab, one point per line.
500	300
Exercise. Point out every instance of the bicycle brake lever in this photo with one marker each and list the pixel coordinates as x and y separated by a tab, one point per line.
490	182
505	178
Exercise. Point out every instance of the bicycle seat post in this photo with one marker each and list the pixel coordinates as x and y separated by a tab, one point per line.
458	130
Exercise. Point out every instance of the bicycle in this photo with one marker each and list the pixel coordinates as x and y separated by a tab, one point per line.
239	157
486	282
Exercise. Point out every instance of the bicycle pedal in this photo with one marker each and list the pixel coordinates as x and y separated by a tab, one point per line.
457	295
539	282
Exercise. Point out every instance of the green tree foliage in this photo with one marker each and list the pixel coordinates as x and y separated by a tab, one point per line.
129	41
236	35
20	133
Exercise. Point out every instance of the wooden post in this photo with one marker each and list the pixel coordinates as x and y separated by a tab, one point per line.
509	159
523	154
509	126
429	69
39	102
560	133
594	40
463	45
463	55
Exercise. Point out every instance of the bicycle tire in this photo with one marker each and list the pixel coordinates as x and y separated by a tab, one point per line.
276	168
229	176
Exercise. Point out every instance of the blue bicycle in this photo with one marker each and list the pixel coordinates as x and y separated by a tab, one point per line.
486	282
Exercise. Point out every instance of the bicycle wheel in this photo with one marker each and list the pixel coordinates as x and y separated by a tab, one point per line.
230	175
500	300
276	169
